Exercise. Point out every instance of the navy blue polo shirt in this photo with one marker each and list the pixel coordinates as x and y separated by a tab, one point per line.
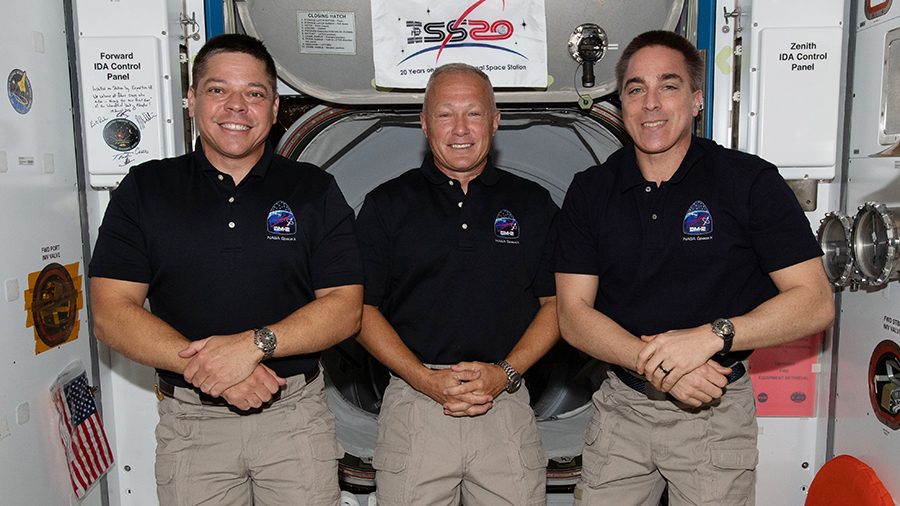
222	259
698	247
457	275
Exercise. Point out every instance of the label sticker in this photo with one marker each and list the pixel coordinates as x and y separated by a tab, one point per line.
19	88
52	304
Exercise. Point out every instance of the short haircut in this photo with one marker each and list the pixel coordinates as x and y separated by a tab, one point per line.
234	43
459	68
663	38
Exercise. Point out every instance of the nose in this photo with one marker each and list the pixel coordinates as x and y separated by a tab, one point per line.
651	100
461	124
235	102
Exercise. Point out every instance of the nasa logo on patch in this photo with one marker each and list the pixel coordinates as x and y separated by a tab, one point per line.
281	220
698	220
19	88
762	397
121	134
506	226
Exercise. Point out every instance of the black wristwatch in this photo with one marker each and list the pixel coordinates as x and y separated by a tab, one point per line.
724	329
265	341
514	379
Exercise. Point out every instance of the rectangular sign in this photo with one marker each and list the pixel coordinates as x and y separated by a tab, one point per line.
507	40
783	377
120	101
327	32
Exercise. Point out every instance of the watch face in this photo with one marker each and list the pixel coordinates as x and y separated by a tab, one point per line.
724	326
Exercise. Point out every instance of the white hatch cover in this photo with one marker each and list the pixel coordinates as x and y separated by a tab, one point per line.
324	48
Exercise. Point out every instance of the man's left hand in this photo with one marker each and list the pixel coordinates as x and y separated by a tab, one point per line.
678	352
220	362
476	397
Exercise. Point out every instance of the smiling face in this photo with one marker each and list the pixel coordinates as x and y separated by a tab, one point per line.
459	122
234	108
658	105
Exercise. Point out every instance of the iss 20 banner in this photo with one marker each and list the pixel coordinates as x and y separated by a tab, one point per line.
507	39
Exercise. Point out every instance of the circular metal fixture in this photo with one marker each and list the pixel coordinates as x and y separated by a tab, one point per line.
587	45
875	239
884	382
834	238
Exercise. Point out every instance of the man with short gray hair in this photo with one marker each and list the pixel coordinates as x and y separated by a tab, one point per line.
459	302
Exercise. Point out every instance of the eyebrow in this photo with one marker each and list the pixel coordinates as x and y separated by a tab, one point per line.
215	80
663	77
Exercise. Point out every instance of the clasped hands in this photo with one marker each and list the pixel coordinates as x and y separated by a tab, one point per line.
680	362
228	366
464	389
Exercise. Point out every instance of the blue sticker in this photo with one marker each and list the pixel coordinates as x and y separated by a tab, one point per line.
506	226
281	220
698	221
19	88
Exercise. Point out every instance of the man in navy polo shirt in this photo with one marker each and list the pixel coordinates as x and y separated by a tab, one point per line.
676	258
459	302
251	268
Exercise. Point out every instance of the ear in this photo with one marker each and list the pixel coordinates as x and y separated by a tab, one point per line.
496	123
191	98
275	109
698	102
424	124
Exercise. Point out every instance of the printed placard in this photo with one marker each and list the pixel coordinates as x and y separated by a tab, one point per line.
507	40
783	378
120	102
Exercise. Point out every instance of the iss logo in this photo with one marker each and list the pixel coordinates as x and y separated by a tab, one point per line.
281	220
698	221
506	226
461	32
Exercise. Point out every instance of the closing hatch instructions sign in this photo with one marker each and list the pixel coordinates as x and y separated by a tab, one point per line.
121	102
507	40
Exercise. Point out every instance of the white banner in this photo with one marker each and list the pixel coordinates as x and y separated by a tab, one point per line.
507	39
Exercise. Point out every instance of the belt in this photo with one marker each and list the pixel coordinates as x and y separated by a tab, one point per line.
164	388
643	386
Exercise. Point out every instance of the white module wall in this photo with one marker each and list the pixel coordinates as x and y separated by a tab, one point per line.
865	311
40	226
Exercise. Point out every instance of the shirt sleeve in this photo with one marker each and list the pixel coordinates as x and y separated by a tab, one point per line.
544	283
576	243
782	235
375	246
335	259
121	248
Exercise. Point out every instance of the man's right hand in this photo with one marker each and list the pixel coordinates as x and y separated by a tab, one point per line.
254	391
701	385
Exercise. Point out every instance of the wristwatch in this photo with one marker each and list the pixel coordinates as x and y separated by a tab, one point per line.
265	341
514	379
724	329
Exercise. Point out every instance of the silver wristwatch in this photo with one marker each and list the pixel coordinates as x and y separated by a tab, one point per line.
514	379
724	329
265	341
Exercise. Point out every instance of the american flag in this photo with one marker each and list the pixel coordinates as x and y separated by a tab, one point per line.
87	449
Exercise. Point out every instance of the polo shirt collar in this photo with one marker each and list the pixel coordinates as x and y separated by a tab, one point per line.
633	177
488	177
258	170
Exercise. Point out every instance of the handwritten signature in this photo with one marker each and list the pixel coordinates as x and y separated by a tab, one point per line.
144	118
98	121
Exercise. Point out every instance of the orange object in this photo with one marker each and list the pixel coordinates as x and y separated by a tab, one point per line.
845	481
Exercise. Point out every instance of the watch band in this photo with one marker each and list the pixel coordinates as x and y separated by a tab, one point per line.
513	378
